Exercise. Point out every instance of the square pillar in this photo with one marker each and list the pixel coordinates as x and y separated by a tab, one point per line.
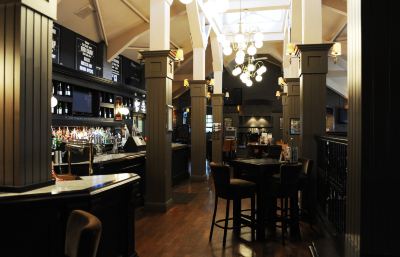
25	92
291	108
198	94
217	101
313	69
159	72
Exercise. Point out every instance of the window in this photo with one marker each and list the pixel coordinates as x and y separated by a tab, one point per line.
209	123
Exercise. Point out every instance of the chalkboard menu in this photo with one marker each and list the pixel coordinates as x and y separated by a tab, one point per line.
85	56
116	69
55	49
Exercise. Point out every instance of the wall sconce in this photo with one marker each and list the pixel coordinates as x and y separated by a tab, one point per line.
179	55
186	83
281	82
336	50
227	94
278	94
291	51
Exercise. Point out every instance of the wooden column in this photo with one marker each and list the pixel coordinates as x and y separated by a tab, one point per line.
217	101
312	70
198	93
159	72
291	108
25	91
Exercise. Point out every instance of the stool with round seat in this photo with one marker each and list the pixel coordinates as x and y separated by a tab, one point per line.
235	190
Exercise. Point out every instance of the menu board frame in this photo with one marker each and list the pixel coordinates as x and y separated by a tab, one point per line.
56	46
92	63
116	72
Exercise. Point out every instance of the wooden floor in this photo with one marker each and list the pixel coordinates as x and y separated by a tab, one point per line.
183	231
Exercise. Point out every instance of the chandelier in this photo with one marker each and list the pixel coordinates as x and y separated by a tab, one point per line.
246	41
252	69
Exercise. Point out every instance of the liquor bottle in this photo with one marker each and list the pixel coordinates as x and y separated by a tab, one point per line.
68	90
59	108
59	89
110	113
101	98
110	100
66	110
100	113
105	112
53	88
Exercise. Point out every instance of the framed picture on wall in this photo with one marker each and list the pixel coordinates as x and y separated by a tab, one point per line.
294	126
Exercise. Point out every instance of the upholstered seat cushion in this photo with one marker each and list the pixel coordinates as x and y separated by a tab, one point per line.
241	188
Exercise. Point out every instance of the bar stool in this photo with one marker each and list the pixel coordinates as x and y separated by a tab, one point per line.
232	189
82	235
285	186
304	186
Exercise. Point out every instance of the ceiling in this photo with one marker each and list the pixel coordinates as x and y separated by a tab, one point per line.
124	26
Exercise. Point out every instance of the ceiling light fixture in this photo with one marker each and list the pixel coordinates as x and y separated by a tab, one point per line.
243	42
253	69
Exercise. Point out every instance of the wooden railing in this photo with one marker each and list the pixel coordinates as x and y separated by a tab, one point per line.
331	179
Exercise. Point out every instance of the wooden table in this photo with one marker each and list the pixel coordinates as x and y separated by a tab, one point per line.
260	172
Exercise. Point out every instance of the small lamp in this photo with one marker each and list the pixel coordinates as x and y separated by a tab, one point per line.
186	83
227	94
54	101
179	55
278	94
291	51
336	50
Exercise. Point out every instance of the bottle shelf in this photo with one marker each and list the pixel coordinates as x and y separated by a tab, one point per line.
63	98
107	105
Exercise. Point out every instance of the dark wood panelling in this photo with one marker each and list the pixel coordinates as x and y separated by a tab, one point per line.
25	94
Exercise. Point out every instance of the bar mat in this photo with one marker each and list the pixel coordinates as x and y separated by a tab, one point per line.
183	198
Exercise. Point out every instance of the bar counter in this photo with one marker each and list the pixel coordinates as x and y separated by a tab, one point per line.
33	223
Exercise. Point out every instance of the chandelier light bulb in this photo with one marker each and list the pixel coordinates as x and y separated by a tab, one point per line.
240	54
252	50
243	77
239	60
186	1
258	44
227	50
258	37
251	67
239	38
249	83
261	70
236	71
258	78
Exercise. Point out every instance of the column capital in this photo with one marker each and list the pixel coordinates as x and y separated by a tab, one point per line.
198	89
217	99
45	7
159	64
313	58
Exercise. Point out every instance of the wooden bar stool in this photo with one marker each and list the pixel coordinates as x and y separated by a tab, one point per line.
235	190
285	186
